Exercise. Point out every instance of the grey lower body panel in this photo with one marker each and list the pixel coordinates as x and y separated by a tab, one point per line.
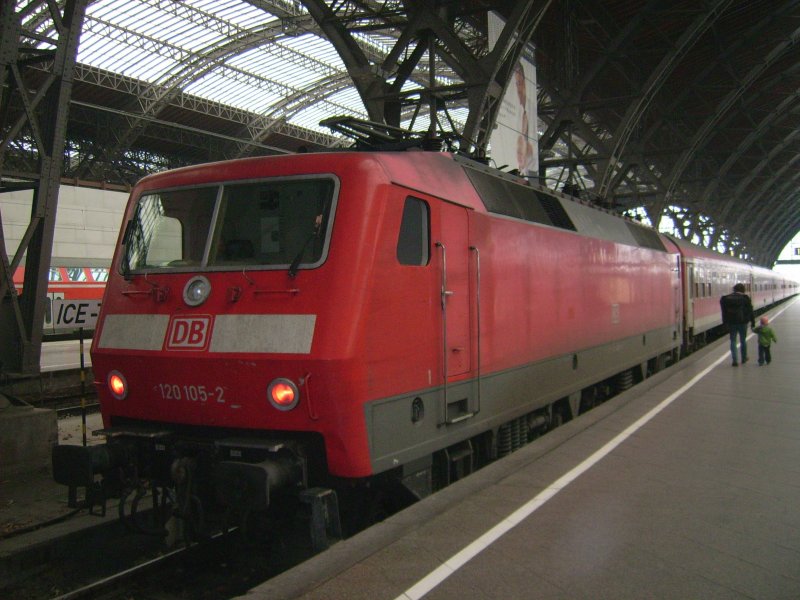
407	427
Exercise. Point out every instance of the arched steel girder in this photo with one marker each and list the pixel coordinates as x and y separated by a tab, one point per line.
653	85
35	14
753	201
371	70
192	67
776	180
781	195
371	86
590	137
781	231
263	125
786	228
758	29
773	118
229	113
365	14
706	130
360	59
428	30
754	198
786	109
567	110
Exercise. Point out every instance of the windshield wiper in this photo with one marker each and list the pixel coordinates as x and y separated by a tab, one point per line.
293	267
126	260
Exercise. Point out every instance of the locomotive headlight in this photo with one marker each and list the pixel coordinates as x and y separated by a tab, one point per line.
196	290
283	394
117	385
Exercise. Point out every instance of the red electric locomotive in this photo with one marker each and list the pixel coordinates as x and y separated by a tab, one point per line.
285	324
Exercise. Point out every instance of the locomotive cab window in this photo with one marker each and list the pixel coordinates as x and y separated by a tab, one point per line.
278	223
413	243
169	229
273	222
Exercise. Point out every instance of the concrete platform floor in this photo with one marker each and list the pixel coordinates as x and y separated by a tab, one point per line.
687	486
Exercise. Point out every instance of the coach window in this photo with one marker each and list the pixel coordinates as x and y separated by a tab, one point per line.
76	274
100	275
413	242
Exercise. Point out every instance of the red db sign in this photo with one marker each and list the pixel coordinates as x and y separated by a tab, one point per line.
188	333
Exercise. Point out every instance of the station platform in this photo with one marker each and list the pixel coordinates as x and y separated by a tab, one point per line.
686	486
65	355
28	425
31	499
59	371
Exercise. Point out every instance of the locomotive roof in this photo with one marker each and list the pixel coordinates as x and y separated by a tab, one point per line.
427	172
447	176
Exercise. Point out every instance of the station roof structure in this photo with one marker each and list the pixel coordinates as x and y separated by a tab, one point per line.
681	106
679	110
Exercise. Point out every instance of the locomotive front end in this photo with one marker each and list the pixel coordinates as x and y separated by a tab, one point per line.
205	347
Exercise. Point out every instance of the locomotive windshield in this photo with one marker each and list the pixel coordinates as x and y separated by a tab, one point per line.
281	223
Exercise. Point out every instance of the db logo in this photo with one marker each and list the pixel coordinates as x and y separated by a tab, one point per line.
188	333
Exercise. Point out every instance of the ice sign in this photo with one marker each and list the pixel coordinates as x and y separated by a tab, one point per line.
75	314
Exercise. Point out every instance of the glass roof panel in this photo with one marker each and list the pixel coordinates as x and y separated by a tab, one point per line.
236	53
138	39
237	89
318	48
243	15
293	71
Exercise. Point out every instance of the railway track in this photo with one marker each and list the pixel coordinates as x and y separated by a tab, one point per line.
117	585
100	564
66	403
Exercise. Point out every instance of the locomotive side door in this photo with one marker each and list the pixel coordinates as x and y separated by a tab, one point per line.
452	254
